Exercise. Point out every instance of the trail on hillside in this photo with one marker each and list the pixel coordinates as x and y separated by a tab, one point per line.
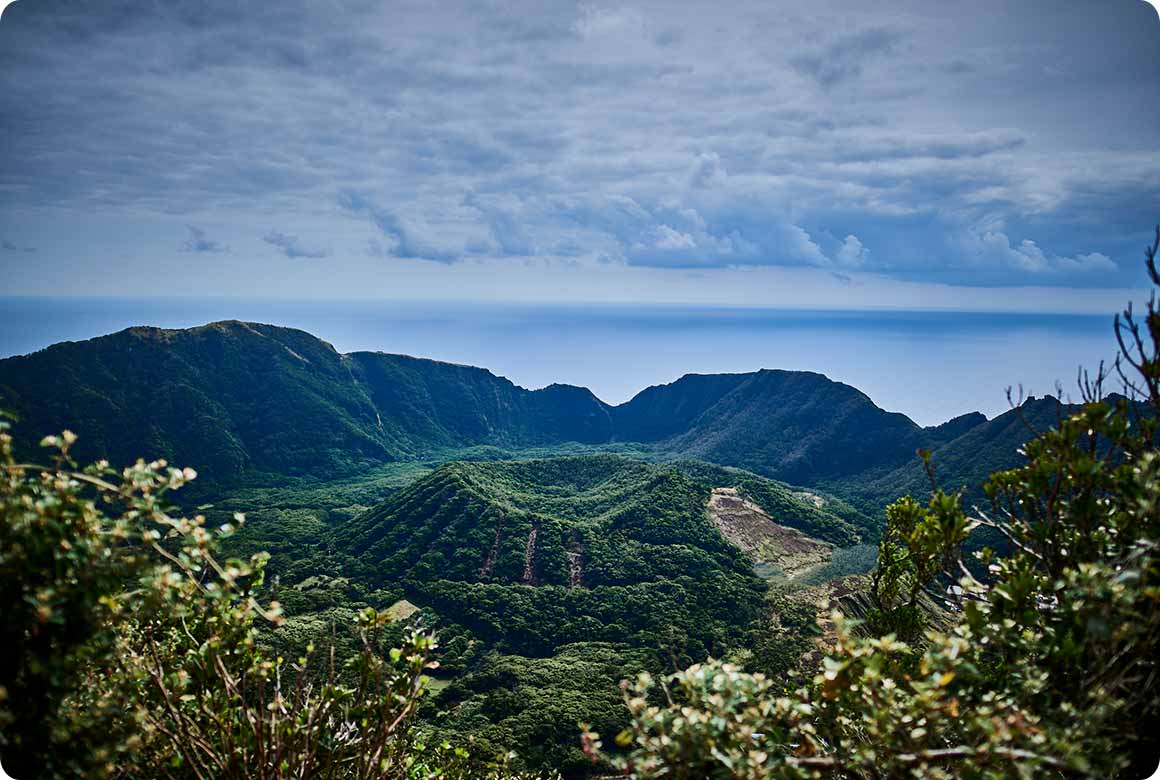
529	577
489	562
574	554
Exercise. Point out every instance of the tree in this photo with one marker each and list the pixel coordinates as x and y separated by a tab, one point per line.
128	649
1051	670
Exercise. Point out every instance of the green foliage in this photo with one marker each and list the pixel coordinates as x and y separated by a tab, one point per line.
820	516
920	544
872	712
537	704
846	561
131	650
532	555
1051	671
782	638
63	566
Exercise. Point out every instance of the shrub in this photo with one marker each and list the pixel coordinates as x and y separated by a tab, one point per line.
130	650
1051	670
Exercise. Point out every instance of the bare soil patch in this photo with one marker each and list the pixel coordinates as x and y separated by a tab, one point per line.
787	550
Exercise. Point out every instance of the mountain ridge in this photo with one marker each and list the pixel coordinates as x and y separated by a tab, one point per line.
257	327
234	398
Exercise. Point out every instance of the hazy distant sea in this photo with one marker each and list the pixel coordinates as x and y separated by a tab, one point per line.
929	365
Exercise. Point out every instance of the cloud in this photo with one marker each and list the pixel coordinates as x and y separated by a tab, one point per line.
895	147
8	246
292	247
957	67
668	36
680	236
457	235
844	59
707	169
596	22
199	242
375	248
994	248
674	137
668	238
505	222
851	252
1092	261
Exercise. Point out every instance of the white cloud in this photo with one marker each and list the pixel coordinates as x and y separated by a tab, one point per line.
1093	261
595	21
994	248
508	132
851	252
293	247
707	170
199	241
668	238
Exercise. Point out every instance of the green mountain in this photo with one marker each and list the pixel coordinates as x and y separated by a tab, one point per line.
662	411
965	461
537	554
556	575
953	428
236	399
551	579
425	404
227	398
548	580
818	515
796	426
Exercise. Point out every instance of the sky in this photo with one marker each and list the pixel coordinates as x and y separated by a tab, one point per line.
901	155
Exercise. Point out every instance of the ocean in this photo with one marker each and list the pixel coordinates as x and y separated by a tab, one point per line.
929	365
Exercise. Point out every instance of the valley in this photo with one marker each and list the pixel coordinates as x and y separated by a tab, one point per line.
549	578
557	544
246	401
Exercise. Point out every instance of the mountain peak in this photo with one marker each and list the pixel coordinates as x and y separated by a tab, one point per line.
232	396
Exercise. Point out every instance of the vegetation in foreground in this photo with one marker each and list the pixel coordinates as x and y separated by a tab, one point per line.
1051	670
131	650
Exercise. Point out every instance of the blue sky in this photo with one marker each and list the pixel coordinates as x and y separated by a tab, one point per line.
984	155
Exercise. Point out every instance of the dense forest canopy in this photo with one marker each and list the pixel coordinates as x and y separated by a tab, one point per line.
459	588
247	401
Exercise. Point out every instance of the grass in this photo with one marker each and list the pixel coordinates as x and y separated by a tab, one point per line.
846	561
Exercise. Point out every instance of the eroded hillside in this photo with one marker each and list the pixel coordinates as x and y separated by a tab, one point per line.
778	551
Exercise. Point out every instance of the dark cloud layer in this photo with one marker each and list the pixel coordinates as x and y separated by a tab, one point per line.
987	143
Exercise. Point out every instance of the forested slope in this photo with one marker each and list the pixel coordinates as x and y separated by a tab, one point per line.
229	397
236	397
964	462
246	401
538	554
